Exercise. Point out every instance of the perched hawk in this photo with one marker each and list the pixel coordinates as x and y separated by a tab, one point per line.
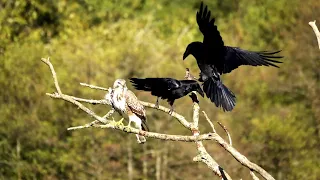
127	104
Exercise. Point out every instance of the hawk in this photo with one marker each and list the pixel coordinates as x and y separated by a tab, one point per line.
215	59
127	104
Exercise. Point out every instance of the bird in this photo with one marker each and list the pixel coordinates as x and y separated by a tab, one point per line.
167	88
214	59
127	104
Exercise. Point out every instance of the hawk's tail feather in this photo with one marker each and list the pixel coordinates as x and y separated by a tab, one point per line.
219	94
144	125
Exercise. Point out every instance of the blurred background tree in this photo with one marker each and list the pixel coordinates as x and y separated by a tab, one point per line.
276	122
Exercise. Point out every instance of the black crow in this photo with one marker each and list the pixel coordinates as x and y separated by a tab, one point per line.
167	88
214	59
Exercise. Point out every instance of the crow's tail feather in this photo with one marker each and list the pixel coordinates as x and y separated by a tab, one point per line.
141	84
219	94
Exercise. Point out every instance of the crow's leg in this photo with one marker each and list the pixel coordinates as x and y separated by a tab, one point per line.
171	106
157	103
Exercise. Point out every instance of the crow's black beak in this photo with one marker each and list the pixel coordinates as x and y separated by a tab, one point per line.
199	90
185	55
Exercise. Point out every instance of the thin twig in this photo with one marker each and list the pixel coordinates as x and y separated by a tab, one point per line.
242	159
254	177
179	117
65	97
107	116
209	121
83	126
80	106
316	30
90	101
94	87
54	75
93	122
226	130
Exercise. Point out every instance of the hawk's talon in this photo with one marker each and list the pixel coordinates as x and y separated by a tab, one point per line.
119	123
113	119
129	124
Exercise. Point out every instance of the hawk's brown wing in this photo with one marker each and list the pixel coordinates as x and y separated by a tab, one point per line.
137	108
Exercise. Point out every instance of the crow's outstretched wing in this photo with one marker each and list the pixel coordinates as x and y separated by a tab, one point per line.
235	57
211	35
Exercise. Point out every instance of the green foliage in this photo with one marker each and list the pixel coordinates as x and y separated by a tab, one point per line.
275	123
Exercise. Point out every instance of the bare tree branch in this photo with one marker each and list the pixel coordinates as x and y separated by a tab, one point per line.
207	118
242	159
202	156
54	75
93	122
82	107
177	116
226	130
166	137
84	126
254	177
316	30
94	87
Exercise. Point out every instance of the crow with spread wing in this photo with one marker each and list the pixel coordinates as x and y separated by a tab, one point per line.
167	88
215	59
